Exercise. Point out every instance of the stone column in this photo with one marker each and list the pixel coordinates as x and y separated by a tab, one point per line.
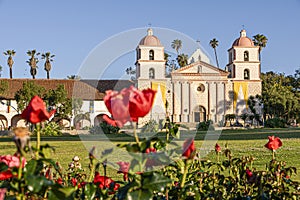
177	94
225	100
217	101
190	119
208	102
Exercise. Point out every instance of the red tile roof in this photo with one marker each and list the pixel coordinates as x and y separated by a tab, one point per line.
83	89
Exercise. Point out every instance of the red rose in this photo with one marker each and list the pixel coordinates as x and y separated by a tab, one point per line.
36	111
274	143
217	148
124	168
5	175
117	104
105	182
189	148
12	161
2	193
82	184
127	105
140	102
249	174
74	181
59	181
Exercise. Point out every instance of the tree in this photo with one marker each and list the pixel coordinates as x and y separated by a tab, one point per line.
230	118
47	66
170	65
131	71
182	60
176	44
244	116
81	117
214	43
279	98
54	98
10	61
25	94
260	41
58	99
77	104
32	61
255	104
74	77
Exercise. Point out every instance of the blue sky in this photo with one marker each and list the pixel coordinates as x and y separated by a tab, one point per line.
72	29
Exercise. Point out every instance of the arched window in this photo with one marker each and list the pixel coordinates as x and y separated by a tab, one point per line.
246	56
246	74
151	73
151	55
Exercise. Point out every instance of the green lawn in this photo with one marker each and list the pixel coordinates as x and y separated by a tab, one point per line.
241	142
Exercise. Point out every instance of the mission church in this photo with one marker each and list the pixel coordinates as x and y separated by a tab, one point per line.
199	91
193	93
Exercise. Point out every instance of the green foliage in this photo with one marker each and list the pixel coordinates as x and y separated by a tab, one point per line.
50	129
150	127
25	94
74	77
182	59
280	96
204	126
54	97
77	104
104	128
58	98
275	123
231	178
82	116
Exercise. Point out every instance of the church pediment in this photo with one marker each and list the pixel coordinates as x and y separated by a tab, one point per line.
200	67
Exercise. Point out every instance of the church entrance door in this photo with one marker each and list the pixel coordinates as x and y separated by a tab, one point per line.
199	114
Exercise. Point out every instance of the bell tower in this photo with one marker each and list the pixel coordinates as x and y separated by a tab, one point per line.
150	63
244	61
150	73
244	72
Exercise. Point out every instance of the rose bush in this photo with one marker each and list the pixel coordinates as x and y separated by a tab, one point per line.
181	173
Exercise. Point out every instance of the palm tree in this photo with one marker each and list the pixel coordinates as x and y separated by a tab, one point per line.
261	41
74	77
10	61
182	60
32	61
48	61
176	44
214	43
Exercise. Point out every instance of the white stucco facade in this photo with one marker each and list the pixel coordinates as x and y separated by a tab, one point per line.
201	91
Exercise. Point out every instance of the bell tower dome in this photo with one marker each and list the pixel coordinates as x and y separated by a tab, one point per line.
150	63
244	61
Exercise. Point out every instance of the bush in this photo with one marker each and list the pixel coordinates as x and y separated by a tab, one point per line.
204	126
275	123
50	129
104	128
150	127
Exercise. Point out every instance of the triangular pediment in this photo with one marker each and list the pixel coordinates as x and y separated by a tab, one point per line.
200	67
